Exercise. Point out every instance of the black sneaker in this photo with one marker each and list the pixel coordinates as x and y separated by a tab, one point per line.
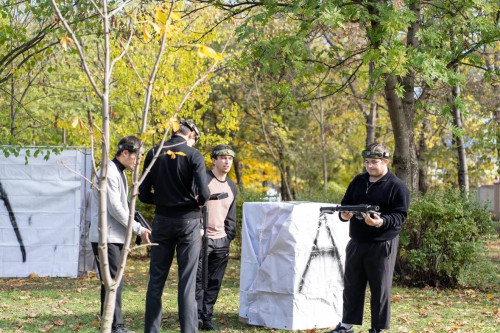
120	329
342	329
374	330
208	326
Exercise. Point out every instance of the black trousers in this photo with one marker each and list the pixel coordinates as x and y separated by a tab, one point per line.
371	262
218	257
173	235
114	252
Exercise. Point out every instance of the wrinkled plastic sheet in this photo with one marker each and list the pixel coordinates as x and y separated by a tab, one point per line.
292	264
47	202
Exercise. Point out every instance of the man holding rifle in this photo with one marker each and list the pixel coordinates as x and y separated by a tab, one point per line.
371	252
221	230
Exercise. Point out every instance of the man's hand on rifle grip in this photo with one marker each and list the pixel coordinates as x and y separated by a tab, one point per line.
346	215
374	220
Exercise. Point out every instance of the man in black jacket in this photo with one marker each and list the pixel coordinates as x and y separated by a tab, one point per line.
371	252
221	230
170	185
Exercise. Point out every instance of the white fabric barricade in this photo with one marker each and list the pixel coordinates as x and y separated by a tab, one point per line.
41	212
292	264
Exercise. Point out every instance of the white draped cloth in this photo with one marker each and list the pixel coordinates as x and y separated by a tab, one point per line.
292	263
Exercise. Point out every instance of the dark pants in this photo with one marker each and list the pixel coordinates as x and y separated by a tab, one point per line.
171	235
218	255
114	252
371	262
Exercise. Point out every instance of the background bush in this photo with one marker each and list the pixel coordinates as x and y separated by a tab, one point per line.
444	236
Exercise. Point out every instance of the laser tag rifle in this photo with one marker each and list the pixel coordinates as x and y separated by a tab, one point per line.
204	260
359	211
142	221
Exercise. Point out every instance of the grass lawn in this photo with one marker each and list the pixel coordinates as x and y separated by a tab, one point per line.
72	305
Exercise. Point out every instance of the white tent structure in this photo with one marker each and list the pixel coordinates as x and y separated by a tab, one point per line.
292	264
42	213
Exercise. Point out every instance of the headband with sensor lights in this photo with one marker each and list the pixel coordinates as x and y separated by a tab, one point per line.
192	127
131	148
222	152
369	154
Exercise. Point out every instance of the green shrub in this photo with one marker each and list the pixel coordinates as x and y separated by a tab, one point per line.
335	193
443	236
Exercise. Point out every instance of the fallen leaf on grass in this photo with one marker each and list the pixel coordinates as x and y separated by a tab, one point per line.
59	322
96	324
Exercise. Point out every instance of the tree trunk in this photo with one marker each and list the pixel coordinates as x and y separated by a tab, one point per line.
324	164
371	117
463	173
401	109
237	171
423	177
401	113
109	283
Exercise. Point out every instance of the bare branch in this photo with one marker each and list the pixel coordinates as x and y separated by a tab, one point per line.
117	9
78	46
96	8
77	173
125	48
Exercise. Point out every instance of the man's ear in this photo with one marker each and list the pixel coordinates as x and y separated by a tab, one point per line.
386	161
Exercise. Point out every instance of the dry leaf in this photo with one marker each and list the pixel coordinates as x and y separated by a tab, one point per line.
59	322
174	124
145	33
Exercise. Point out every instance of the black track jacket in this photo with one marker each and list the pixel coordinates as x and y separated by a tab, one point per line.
172	181
393	197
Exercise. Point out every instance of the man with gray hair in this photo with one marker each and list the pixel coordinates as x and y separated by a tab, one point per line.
372	249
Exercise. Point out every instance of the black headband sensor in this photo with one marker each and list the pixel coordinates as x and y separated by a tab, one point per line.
192	127
377	154
222	152
132	148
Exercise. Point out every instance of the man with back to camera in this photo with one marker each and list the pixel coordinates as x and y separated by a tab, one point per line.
221	230
170	185
117	218
372	249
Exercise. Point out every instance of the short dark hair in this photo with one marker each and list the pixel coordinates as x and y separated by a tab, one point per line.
222	150
376	150
131	143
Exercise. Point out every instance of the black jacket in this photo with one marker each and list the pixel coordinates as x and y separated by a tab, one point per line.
172	180
390	194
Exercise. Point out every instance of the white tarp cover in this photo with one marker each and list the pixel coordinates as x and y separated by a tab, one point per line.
292	264
46	201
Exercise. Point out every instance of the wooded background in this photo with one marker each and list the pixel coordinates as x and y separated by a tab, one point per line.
302	87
